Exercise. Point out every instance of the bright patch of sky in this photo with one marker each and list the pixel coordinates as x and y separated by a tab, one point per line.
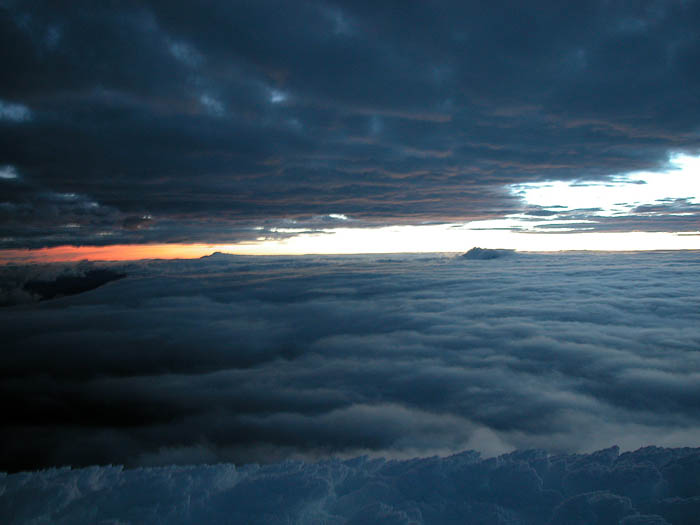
622	194
456	238
618	196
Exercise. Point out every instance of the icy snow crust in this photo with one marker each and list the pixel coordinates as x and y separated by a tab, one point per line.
650	486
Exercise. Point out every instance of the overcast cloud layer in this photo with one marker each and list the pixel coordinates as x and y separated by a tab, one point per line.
259	359
164	121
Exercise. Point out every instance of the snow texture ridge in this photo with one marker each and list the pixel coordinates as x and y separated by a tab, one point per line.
651	486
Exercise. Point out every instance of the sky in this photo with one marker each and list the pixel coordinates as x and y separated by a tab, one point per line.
159	129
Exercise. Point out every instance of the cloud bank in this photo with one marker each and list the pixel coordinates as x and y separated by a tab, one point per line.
246	359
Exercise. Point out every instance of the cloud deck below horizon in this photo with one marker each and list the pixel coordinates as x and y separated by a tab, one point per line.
246	359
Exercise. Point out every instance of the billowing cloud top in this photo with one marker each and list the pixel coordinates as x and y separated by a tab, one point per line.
162	121
246	359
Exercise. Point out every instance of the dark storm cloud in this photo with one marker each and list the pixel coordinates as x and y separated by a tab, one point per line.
258	359
212	119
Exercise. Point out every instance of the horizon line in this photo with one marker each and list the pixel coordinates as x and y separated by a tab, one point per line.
192	251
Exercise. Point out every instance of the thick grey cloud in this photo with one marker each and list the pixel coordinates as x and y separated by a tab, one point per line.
651	486
259	359
213	119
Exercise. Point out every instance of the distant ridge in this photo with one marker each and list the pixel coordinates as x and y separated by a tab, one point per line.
487	253
216	255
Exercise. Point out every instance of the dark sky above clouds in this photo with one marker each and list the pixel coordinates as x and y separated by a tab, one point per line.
170	121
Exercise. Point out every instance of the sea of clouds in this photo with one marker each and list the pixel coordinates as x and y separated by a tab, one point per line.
261	359
265	359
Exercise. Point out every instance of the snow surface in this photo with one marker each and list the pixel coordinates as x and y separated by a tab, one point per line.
651	486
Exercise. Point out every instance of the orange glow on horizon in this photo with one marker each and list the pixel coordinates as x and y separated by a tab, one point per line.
116	252
399	239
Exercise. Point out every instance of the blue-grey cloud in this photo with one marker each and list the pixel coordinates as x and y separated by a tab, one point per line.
258	359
